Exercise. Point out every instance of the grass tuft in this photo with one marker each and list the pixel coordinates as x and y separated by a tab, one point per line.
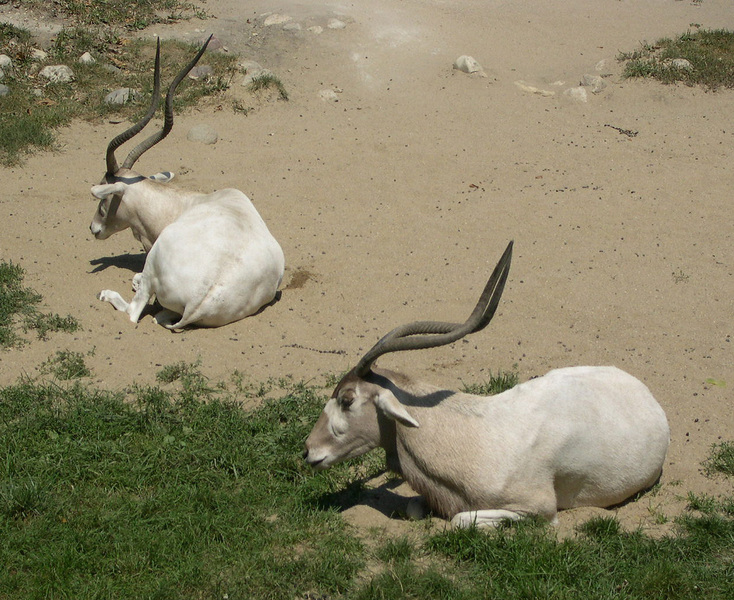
709	54
502	381
18	307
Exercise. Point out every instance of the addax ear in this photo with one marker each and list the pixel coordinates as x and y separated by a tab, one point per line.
389	405
108	189
163	177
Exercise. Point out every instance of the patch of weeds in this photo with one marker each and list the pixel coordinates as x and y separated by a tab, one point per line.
268	81
66	365
398	550
502	381
35	108
721	459
120	13
680	277
703	57
18	306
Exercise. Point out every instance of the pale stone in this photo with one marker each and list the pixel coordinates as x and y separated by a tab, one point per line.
316	29
329	95
4	89
595	83
203	133
276	19
577	93
121	96
467	64
336	24
57	74
531	89
201	72
87	59
38	54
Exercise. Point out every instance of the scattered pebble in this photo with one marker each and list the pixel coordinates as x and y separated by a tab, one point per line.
336	24
203	133
328	96
4	89
121	96
201	72
276	19
468	64
595	83
57	74
87	59
534	90
316	30
38	54
577	93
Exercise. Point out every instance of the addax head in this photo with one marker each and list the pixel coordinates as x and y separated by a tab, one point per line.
350	423
109	219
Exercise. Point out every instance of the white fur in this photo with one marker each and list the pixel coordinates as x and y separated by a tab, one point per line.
579	436
211	258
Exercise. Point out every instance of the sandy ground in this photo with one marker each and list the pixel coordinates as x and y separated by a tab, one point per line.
394	203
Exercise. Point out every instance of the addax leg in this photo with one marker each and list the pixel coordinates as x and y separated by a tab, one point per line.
484	518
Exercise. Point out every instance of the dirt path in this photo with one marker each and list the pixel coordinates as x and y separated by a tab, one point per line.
394	203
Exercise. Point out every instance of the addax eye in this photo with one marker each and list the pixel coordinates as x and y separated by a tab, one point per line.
346	400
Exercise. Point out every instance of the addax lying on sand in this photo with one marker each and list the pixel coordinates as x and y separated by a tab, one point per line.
211	258
580	436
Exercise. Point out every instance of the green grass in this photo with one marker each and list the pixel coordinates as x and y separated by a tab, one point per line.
709	51
268	81
66	365
34	109
181	493
503	380
122	13
19	309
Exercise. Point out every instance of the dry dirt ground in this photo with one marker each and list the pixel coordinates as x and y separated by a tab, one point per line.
394	203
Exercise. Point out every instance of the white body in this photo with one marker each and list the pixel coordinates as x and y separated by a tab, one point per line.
580	436
211	258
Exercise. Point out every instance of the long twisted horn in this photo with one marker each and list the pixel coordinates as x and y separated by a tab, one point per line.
147	144
128	134
438	333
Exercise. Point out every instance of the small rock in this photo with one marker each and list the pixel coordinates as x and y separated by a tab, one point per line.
293	26
5	62
531	89
316	30
111	68
276	19
601	65
2	74
680	63
57	74
37	92
577	93
203	133
38	54
201	72
595	83
87	59
4	89
336	24
121	96
468	64
214	44
328	96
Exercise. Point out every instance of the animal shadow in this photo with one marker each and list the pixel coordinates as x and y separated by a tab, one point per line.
131	262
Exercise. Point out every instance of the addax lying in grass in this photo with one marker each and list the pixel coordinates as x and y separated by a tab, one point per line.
581	436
